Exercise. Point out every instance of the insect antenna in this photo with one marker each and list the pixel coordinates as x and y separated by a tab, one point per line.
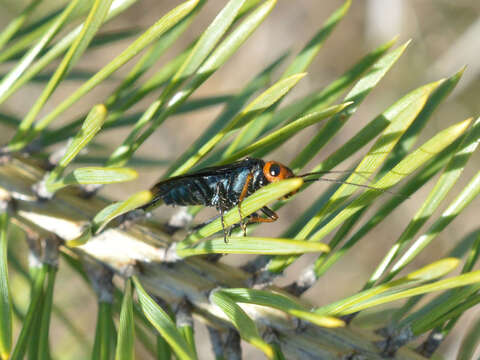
354	184
359	173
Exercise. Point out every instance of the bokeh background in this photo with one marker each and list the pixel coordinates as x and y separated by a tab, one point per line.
445	37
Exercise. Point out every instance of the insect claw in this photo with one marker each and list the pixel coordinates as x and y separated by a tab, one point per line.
244	227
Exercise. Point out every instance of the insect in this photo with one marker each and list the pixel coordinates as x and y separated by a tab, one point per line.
223	187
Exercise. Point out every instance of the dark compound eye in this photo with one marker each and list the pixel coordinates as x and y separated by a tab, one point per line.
275	170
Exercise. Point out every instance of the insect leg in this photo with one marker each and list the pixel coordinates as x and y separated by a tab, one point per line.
270	213
220	194
223	226
272	216
240	199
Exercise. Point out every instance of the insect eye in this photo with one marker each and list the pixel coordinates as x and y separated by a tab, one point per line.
275	170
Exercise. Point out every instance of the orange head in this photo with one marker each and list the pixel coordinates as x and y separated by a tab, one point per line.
274	171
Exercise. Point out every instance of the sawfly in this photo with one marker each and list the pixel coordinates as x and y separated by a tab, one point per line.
225	187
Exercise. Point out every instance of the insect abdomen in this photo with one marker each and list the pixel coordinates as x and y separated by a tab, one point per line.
186	192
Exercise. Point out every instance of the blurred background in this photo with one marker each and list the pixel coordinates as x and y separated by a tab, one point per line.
445	37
